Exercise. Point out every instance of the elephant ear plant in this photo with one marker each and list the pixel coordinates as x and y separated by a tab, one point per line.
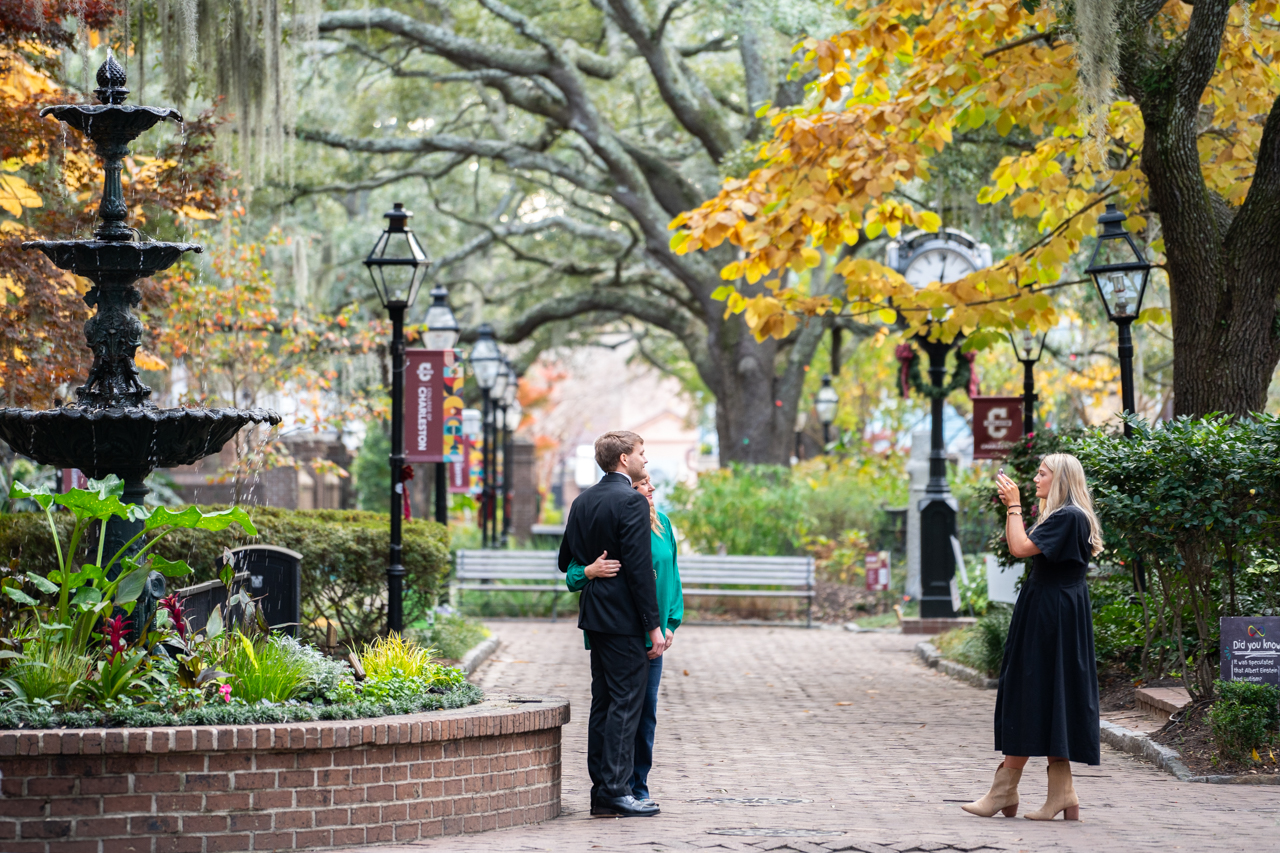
69	641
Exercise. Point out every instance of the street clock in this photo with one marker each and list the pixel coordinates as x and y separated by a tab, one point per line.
924	257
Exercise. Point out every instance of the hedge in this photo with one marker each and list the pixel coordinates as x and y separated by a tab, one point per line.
344	561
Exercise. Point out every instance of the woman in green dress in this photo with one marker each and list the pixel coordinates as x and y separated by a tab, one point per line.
670	608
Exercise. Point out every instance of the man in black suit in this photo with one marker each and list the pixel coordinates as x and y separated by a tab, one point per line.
616	613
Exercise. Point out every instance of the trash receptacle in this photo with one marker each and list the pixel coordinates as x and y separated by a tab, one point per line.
274	580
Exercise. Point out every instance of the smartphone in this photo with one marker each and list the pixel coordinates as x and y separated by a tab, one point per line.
1001	472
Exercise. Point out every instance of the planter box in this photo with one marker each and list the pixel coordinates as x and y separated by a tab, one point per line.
284	786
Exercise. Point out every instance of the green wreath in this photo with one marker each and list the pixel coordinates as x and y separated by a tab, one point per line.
912	378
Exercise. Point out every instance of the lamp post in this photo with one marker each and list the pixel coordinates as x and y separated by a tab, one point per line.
938	508
497	412
1120	272
397	264
1031	343
442	334
827	401
486	364
509	403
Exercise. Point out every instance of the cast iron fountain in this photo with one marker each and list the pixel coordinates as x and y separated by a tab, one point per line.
113	428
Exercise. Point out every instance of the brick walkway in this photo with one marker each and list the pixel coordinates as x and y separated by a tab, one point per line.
880	750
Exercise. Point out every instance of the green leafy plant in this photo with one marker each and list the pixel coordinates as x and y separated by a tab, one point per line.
1244	718
344	554
48	671
743	509
83	596
264	670
393	654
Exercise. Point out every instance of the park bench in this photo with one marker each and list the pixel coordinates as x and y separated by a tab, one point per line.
714	575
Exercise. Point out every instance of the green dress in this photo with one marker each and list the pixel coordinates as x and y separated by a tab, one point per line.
665	570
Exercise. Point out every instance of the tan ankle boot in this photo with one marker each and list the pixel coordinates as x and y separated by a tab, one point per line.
1003	796
1062	795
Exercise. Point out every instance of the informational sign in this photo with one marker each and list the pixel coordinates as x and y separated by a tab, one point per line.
1002	581
1250	649
423	412
454	449
432	406
476	457
460	468
997	424
877	564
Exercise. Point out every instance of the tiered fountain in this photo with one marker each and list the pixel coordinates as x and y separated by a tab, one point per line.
114	428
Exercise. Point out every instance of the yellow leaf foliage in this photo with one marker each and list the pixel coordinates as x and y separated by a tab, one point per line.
905	76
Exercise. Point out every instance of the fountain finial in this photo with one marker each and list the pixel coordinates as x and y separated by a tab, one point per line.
111	80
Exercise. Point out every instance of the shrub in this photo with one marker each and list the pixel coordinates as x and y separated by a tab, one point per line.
344	559
981	645
743	509
1244	717
49	672
453	635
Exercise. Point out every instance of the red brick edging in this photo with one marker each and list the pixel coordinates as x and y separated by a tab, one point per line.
285	786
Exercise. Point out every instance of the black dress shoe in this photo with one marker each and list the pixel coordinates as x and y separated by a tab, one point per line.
627	806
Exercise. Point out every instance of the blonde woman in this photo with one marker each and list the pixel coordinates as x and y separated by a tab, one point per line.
1047	703
666	575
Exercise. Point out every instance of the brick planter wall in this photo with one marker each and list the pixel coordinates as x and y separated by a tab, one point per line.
280	787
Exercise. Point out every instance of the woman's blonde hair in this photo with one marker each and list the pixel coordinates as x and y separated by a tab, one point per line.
654	524
1069	487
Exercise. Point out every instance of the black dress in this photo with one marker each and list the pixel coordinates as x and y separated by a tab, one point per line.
1047	703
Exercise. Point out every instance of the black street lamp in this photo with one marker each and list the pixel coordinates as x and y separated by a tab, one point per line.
397	264
827	402
938	508
1031	343
442	334
508	432
1120	271
486	365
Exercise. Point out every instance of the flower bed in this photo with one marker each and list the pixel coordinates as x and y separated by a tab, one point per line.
84	647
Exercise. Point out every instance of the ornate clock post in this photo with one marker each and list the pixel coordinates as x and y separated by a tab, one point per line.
923	258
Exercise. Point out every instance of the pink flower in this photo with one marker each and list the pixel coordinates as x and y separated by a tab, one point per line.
175	609
114	635
225	690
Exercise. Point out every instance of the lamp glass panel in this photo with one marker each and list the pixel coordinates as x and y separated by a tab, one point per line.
485	370
398	266
499	388
471	423
1121	289
826	402
442	327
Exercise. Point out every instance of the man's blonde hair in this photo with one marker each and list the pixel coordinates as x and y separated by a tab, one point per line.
1069	487
611	446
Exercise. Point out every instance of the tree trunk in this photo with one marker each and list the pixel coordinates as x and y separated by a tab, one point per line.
1223	261
751	426
1222	296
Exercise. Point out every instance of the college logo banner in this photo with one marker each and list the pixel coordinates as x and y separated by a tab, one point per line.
997	424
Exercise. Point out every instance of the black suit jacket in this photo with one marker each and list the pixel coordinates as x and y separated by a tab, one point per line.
611	516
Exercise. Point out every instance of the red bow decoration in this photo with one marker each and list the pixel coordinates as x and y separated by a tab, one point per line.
406	474
974	388
904	353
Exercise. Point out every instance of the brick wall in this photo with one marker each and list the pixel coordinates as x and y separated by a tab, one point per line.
281	787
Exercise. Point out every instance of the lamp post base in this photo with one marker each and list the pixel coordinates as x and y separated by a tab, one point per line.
937	557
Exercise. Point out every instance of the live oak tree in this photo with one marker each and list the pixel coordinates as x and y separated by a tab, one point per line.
1166	108
614	116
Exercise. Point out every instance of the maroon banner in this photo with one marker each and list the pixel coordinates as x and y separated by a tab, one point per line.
423	405
997	424
460	469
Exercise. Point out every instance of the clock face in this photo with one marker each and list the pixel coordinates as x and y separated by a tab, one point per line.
943	265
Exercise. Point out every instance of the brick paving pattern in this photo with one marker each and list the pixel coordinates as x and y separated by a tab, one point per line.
880	750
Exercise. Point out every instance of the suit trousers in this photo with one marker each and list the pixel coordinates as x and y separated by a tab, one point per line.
619	678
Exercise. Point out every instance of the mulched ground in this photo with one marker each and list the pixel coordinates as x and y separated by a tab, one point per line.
837	602
1190	735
